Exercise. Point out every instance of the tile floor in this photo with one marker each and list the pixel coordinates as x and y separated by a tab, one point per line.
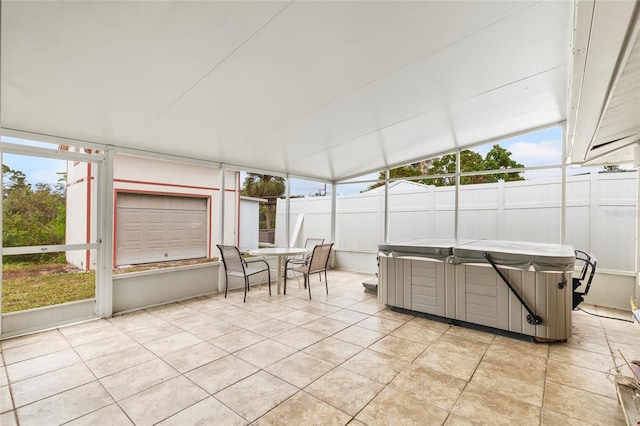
338	359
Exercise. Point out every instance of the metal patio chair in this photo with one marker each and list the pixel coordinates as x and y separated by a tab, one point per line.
294	262
317	263
236	266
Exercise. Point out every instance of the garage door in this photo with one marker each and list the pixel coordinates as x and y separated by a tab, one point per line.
154	228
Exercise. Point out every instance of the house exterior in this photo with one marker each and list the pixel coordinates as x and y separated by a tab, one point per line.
163	211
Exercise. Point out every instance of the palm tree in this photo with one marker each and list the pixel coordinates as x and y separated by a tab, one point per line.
265	186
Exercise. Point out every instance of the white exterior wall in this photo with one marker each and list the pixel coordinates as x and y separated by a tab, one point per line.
80	222
159	177
249	223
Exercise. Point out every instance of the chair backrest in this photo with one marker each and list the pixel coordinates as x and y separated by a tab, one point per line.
231	258
320	257
310	243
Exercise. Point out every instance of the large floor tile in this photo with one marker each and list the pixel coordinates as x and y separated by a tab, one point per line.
582	358
111	415
321	309
300	369
153	331
66	406
49	384
375	365
400	348
299	338
132	321
90	332
326	326
237	340
209	411
451	363
118	361
162	401
33	348
42	364
359	336
6	402
265	353
582	405
303	409
519	382
136	379
298	318
379	324
32	339
429	385
172	343
8	419
483	406
221	373
455	343
348	316
416	334
271	327
581	378
256	395
194	356
393	406
333	350
103	347
345	390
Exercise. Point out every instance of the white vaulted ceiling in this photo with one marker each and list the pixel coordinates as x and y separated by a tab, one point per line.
326	90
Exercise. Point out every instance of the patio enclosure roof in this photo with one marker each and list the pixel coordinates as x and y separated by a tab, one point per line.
320	90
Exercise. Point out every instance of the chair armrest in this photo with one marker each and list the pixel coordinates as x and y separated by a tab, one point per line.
255	261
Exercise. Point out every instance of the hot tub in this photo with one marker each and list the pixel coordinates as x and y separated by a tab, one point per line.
519	287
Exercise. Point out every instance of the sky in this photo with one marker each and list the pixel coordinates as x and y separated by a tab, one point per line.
532	149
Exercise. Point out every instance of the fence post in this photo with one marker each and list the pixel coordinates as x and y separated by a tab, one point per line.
500	205
593	206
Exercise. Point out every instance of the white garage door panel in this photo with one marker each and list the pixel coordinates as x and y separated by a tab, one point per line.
154	228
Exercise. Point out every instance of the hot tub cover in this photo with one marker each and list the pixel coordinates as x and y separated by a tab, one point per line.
517	254
439	249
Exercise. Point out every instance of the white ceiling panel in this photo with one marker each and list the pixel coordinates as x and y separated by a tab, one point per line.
605	92
326	90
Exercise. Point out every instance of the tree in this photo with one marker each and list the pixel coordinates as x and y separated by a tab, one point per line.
497	158
469	161
500	159
32	216
13	180
265	186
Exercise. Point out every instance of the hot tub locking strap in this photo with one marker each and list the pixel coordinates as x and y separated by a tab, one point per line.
532	318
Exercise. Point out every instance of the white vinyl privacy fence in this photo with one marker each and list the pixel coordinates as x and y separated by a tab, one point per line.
600	217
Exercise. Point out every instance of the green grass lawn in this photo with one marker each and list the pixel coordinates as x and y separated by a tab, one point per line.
33	285
27	286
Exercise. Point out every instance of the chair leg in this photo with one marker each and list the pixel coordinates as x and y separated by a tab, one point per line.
308	284
285	281
226	284
326	283
246	288
269	278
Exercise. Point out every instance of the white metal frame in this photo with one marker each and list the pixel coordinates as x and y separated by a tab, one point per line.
104	221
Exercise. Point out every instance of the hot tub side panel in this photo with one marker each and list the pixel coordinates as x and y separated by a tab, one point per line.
483	298
415	284
394	282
